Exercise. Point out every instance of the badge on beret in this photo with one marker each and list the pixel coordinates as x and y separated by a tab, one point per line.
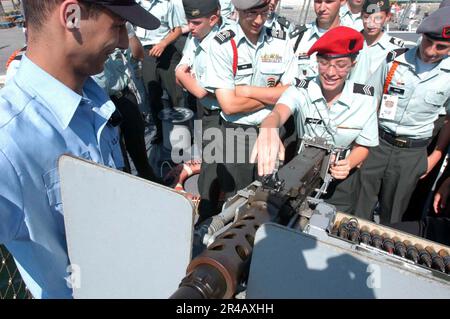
446	32
195	12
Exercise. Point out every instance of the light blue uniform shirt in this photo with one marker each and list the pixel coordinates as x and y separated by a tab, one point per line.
352	118
195	55
226	8
165	11
371	57
273	22
41	119
421	97
265	64
348	19
307	65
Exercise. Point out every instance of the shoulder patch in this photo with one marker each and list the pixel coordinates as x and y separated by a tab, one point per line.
277	33
395	53
363	89
284	22
224	36
397	42
299	29
301	83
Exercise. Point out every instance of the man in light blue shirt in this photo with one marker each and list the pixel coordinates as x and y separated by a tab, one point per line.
51	107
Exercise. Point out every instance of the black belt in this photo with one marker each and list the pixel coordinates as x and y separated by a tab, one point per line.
227	124
208	112
403	142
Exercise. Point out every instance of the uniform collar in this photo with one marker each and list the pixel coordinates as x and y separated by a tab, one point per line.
344	10
410	58
315	93
383	42
57	97
240	35
314	30
204	44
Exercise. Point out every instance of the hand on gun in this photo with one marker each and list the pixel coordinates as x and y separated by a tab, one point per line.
339	169
267	149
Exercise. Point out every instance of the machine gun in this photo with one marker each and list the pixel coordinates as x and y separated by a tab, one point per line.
219	270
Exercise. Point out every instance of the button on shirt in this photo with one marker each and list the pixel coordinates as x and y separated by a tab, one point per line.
195	55
371	57
352	118
165	11
348	19
265	64
307	65
41	119
421	97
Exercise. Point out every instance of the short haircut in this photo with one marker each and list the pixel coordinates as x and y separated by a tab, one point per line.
37	11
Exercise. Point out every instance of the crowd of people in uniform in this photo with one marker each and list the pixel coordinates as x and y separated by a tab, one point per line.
260	80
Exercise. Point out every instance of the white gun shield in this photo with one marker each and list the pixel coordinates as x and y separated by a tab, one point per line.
126	237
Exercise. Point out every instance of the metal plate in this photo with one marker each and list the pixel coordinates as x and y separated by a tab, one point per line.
126	237
290	264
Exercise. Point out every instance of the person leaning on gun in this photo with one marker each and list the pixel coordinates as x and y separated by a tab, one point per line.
413	86
249	66
329	106
52	107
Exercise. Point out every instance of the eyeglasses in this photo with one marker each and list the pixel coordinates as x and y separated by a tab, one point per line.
373	19
340	66
252	15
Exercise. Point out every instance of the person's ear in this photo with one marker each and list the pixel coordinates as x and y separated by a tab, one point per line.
70	14
388	17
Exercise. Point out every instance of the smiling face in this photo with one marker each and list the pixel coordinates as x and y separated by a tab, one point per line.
432	51
373	23
98	36
333	72
252	20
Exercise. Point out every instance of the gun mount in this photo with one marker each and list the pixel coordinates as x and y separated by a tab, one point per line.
219	269
273	237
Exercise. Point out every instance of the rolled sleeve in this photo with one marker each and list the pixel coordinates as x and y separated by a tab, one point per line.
369	133
174	19
291	69
11	201
292	98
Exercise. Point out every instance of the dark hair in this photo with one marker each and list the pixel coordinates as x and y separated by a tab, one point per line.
37	11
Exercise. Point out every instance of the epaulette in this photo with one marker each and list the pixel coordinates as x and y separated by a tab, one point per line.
116	119
301	83
284	22
277	33
395	53
224	36
398	42
363	89
299	29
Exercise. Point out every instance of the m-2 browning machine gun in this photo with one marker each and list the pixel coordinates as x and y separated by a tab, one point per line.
282	198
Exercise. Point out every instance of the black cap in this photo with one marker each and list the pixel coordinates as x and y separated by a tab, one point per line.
374	6
437	25
130	11
199	8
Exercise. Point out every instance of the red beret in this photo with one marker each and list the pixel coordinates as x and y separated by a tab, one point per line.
338	42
